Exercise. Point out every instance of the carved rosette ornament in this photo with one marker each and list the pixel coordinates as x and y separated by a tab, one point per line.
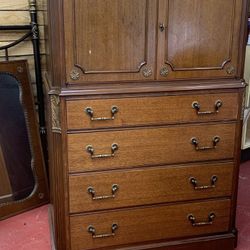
55	113
75	74
164	72
231	70
147	72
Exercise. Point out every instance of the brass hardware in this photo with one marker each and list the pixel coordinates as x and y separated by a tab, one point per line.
92	192
195	142
218	104
90	113
74	75
91	151
194	182
161	27
192	219
164	71
231	70
147	72
92	230
55	113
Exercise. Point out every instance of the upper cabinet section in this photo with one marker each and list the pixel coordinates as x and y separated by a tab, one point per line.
198	38
146	40
110	40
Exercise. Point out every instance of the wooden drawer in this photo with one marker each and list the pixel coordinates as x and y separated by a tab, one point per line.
163	222
104	190
148	146
150	110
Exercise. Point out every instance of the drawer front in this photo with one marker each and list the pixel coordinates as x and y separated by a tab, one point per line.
89	192
149	146
82	114
163	222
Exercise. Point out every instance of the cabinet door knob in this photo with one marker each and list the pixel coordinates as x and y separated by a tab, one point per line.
161	27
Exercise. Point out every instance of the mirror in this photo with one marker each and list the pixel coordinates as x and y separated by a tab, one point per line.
23	183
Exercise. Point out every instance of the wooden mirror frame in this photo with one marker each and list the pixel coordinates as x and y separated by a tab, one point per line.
39	195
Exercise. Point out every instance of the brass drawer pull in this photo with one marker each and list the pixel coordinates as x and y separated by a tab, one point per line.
92	231
91	151
192	219
197	107
194	182
90	113
92	192
195	142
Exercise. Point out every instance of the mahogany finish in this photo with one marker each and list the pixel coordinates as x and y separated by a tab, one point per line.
150	186
191	46
149	223
144	120
149	146
151	110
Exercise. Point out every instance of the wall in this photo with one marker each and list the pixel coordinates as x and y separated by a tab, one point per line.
16	12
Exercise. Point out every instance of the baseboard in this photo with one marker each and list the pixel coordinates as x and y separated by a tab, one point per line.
245	155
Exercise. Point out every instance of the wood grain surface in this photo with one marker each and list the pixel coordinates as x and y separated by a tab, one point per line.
149	146
151	110
191	47
149	186
163	222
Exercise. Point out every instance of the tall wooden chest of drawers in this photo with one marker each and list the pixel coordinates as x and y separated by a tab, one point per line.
144	122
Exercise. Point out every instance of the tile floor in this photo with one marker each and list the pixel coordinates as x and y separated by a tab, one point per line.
30	230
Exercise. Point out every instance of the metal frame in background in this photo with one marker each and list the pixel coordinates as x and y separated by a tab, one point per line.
33	32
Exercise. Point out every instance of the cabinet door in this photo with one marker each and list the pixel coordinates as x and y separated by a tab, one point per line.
111	40
198	38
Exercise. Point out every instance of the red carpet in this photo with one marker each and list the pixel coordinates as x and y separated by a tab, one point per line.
30	231
27	231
